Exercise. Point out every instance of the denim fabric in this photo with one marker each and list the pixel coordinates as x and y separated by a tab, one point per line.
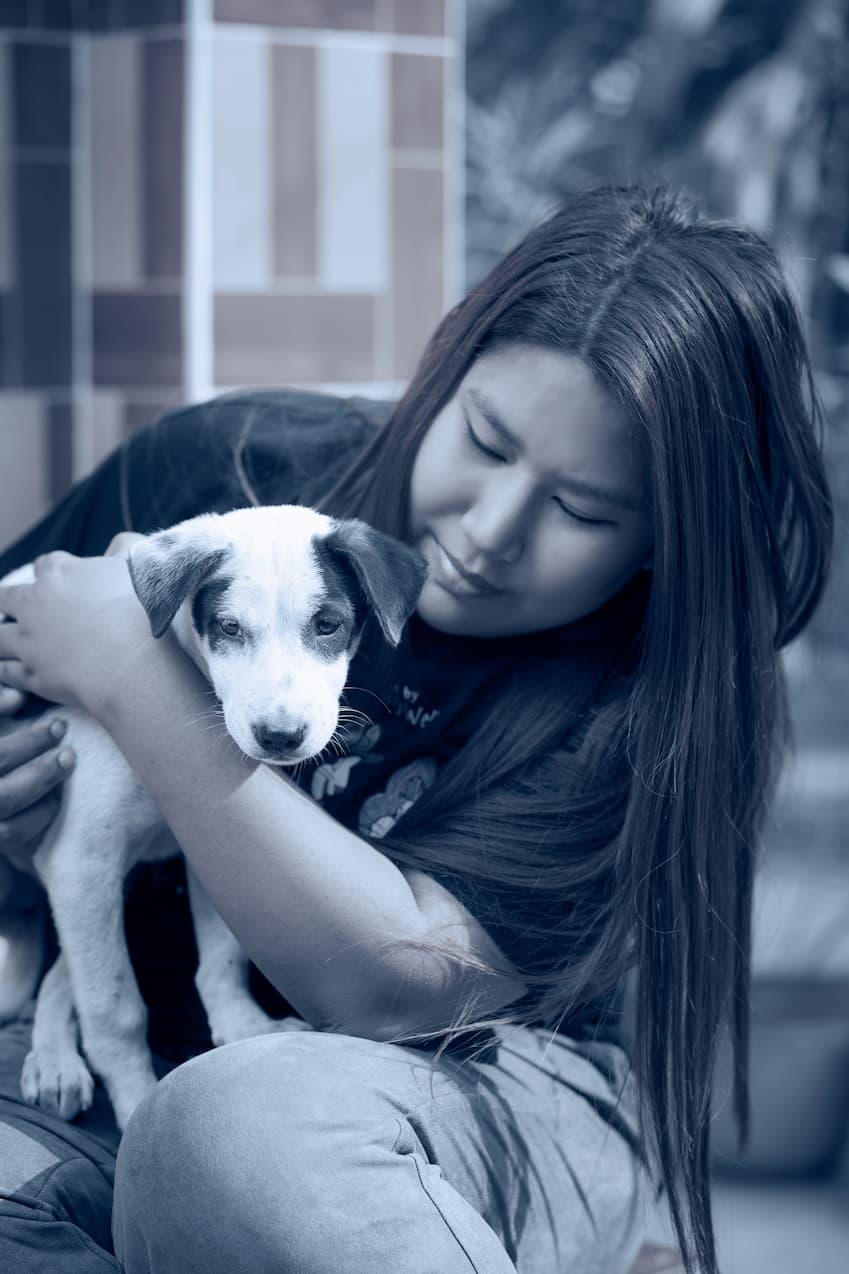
308	1152
55	1178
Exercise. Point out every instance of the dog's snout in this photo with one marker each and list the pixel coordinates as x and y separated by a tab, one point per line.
279	741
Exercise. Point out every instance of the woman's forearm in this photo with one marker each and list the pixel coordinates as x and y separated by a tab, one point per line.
312	904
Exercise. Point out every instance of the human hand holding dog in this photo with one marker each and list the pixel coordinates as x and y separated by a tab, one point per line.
33	765
34	761
77	630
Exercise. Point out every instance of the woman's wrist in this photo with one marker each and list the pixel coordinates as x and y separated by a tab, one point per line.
145	669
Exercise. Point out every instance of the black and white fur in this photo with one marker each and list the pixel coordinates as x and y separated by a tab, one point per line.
270	604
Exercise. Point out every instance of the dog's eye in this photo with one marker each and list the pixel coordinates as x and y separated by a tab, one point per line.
229	627
325	626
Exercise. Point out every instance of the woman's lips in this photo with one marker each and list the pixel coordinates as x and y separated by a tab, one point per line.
455	579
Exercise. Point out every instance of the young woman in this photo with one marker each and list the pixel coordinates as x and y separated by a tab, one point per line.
609	457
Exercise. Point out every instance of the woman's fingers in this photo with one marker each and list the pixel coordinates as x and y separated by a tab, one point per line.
13	674
32	739
11	700
28	827
34	762
11	597
121	543
28	783
51	561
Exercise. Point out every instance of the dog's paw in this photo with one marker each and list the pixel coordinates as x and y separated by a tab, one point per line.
291	1024
244	1020
59	1082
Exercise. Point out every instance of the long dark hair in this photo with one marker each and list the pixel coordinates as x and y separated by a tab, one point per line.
638	847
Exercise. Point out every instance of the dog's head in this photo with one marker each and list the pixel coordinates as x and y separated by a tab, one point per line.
271	602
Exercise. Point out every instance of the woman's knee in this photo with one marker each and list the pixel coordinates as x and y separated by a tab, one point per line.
206	1121
237	1146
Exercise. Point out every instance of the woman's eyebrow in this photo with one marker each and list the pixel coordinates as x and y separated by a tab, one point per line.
579	486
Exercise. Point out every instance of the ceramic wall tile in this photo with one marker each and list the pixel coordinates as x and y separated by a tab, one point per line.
41	87
59	425
417	262
14	14
315	255
43	260
7	255
420	17
25	468
350	15
417	101
138	339
114	105
274	340
162	156
294	161
241	176
353	210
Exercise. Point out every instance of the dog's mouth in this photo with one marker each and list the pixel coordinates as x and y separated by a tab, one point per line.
278	759
279	743
281	762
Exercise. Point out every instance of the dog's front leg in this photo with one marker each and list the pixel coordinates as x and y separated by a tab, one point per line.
86	893
222	975
54	1075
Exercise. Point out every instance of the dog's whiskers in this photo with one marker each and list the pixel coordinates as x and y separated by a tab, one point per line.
365	691
352	715
215	713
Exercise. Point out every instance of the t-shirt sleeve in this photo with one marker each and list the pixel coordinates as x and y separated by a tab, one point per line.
270	447
276	446
526	920
161	474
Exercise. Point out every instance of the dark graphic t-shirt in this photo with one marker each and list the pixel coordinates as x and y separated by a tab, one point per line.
279	446
431	703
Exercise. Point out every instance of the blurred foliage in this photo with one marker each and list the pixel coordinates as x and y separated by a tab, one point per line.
744	104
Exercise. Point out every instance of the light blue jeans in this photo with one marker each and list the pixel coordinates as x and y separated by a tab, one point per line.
306	1152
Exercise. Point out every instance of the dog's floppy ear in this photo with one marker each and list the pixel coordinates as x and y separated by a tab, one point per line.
389	573
166	567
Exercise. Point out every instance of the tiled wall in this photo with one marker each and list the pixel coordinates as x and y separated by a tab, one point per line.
246	192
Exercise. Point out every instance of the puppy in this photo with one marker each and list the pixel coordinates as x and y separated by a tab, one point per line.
270	603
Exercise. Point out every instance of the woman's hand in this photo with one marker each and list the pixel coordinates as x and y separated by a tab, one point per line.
75	630
33	765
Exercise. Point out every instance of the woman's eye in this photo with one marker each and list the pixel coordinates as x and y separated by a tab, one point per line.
481	446
325	626
577	517
230	627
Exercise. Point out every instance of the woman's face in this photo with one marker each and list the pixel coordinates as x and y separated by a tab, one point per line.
532	480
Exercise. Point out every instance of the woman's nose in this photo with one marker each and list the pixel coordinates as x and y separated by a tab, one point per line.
496	524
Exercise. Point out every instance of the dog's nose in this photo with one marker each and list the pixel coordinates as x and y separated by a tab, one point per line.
279	742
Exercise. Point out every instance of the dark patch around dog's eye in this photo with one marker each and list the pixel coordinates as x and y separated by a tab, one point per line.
330	644
343	603
340	582
207	611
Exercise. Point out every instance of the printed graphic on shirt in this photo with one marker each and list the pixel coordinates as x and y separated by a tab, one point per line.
332	776
347	783
381	812
406	703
